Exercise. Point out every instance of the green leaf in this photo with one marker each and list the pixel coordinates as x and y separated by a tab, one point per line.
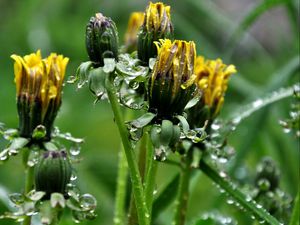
165	197
97	82
143	120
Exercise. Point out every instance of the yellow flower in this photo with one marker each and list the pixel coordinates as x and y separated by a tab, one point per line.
212	79
135	22
170	87
157	25
38	89
157	17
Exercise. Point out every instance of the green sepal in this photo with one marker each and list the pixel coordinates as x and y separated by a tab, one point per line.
166	133
155	136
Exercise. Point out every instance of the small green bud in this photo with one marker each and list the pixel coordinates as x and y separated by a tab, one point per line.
101	39
53	173
157	25
268	172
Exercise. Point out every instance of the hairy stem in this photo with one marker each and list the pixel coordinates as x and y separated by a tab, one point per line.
142	210
231	190
183	191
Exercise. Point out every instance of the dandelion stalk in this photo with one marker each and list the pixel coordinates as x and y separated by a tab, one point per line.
183	191
121	188
260	213
150	175
142	210
28	180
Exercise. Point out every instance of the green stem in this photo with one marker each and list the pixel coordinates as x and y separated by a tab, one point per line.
29	175
150	175
295	214
119	216
237	195
142	210
183	191
132	215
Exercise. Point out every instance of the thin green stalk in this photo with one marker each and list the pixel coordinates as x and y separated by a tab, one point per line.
29	175
142	210
183	191
249	204
295	214
132	215
119	216
150	175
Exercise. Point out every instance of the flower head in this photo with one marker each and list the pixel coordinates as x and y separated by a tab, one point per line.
211	79
135	22
170	86
53	173
101	39
38	87
157	25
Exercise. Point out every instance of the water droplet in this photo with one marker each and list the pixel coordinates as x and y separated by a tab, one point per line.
73	177
88	202
258	206
16	198
222	174
4	155
75	150
215	126
160	154
248	198
117	81
230	201
134	85
257	103
33	158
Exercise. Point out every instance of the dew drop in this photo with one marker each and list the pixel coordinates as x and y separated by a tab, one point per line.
16	198
230	201
75	150
88	202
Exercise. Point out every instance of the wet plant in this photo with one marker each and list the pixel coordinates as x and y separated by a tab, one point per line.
166	98
49	187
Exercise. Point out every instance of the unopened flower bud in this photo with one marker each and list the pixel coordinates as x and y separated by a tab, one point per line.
53	173
101	39
268	171
38	86
157	25
171	83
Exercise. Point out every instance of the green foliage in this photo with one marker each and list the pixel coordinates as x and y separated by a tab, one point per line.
263	66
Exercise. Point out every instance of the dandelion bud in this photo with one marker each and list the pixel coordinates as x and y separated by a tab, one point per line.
171	83
157	25
101	39
267	171
53	173
135	22
211	78
38	86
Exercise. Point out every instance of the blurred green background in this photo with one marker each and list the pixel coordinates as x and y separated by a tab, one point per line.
265	51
